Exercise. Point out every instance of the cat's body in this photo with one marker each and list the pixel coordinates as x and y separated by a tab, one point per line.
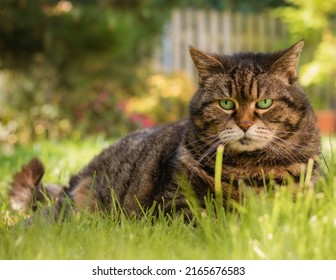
250	103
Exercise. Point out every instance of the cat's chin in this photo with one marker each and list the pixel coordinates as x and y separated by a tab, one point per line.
246	145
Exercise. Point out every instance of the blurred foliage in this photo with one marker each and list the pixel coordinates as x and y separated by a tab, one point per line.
233	5
65	32
66	65
165	99
315	21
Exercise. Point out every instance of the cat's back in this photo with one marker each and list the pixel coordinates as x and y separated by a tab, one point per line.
140	165
144	143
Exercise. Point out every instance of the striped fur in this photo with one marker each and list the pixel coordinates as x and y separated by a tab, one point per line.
146	166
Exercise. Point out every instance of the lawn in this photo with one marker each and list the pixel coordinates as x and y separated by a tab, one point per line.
265	226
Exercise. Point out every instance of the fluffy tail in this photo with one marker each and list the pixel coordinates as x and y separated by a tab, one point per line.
26	189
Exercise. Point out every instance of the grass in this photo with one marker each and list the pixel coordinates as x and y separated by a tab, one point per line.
265	226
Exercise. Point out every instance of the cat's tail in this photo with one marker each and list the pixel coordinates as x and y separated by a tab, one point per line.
26	189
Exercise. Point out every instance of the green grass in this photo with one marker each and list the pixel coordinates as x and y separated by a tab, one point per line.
266	226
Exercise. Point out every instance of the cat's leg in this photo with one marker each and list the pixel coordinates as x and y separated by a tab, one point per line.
83	193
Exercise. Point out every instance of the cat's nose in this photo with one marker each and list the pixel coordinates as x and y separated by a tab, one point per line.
245	125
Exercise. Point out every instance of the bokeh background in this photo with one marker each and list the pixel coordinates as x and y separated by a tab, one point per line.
69	69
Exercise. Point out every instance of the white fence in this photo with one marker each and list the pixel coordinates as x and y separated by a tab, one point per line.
215	31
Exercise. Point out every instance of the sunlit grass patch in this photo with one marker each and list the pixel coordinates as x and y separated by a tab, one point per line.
268	225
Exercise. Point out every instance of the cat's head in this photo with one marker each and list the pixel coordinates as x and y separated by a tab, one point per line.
248	100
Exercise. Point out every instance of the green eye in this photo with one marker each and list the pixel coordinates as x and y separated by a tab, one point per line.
264	104
227	104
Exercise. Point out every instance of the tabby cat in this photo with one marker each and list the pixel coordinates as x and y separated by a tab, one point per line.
248	102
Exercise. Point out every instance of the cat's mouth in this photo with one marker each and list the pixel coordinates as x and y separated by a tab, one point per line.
247	144
245	141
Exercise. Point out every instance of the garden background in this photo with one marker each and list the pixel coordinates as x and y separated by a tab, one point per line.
70	68
77	75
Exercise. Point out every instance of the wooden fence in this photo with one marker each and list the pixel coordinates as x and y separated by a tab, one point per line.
226	32
215	31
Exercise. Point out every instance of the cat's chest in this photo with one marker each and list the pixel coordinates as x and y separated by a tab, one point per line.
260	171
235	169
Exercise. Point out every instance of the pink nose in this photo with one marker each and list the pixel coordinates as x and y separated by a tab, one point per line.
245	125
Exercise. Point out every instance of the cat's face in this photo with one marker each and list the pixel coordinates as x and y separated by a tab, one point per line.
249	101
246	126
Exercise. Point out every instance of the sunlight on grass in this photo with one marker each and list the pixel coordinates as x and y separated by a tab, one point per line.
265	226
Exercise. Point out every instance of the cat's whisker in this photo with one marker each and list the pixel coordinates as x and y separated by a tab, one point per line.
209	151
291	152
286	142
295	147
203	147
289	134
283	153
286	146
211	155
202	140
297	132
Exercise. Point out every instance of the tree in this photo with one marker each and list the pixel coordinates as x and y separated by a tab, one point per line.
314	21
78	57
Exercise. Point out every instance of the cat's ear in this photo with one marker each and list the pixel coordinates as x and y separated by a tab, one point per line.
285	66
205	64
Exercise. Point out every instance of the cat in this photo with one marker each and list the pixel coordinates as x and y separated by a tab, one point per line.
248	102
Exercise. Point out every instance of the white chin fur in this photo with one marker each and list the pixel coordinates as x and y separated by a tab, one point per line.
251	145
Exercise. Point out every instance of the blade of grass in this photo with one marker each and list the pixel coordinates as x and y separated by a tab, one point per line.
218	176
309	172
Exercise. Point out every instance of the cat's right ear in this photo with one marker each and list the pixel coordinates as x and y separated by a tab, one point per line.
205	64
285	66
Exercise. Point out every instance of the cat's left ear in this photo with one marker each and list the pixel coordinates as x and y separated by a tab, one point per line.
206	64
285	66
